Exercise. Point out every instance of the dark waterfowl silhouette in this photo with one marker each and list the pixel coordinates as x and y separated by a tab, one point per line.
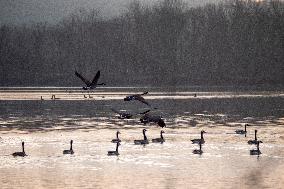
126	115
70	151
117	139
198	151
144	141
90	85
199	140
255	138
159	140
256	151
22	153
114	153
147	118
137	97
54	98
241	131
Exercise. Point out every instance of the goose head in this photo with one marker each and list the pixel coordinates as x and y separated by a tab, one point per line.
128	98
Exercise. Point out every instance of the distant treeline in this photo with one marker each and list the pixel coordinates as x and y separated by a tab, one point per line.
168	44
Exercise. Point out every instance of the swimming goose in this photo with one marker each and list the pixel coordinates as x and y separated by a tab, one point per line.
199	140
137	97
117	139
256	151
196	151
90	85
114	153
147	118
255	139
125	115
71	149
159	140
241	131
144	141
21	154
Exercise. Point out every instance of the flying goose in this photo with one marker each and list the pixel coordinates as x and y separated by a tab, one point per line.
159	140
241	131
199	140
137	97
147	118
114	153
144	141
198	151
256	151
21	154
125	115
117	139
255	138
90	85
71	149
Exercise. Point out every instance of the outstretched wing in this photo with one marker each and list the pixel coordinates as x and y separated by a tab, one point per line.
141	99
87	82
146	92
96	78
145	112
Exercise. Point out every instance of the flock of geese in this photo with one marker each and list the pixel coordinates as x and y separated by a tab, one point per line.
146	118
200	141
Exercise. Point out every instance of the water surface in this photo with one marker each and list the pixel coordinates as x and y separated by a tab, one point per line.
48	125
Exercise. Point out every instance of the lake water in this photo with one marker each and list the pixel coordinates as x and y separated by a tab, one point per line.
47	126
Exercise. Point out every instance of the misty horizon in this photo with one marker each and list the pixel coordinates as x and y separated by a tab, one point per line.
37	11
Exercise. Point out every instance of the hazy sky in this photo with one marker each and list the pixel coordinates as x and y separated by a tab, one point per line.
31	11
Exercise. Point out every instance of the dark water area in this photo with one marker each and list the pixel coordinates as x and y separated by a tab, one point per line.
31	114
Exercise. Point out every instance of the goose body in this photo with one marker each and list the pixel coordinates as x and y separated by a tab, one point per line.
144	141
241	131
255	138
159	140
125	115
147	118
199	140
114	153
90	84
116	140
198	151
137	97
22	153
70	151
256	151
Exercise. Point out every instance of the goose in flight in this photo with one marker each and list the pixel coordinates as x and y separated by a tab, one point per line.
90	85
147	118
137	97
125	115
